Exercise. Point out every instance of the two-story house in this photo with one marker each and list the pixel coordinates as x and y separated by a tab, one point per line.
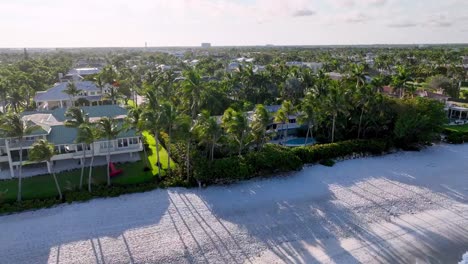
56	97
69	154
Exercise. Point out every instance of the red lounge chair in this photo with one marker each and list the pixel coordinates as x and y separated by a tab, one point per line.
113	170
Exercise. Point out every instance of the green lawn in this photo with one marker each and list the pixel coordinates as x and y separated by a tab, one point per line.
43	186
461	128
163	156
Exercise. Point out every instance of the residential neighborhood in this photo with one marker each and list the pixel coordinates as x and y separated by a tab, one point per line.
233	131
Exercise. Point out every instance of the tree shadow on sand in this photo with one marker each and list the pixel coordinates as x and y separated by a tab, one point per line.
81	224
301	213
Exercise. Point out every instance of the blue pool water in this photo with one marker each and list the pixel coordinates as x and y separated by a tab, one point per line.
300	141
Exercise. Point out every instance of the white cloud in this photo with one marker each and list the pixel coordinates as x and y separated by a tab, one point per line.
189	22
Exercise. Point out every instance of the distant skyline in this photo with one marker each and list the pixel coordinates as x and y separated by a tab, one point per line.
123	23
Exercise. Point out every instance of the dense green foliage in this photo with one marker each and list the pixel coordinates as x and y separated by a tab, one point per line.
456	134
208	107
418	121
270	160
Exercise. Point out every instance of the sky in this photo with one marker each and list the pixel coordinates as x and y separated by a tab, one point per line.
131	23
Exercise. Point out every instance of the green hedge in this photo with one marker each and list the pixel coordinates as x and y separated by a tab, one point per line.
317	153
455	135
273	159
76	195
270	160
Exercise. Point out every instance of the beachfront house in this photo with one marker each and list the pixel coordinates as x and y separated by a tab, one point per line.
69	155
457	114
292	126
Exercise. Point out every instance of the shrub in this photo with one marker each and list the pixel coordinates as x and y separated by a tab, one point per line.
455	136
271	159
328	163
317	153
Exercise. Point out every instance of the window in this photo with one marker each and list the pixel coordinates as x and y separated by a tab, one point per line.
123	142
103	145
134	141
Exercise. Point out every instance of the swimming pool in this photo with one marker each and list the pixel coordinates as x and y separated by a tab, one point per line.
299	142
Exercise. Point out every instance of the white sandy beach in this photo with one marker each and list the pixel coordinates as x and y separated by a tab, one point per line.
407	207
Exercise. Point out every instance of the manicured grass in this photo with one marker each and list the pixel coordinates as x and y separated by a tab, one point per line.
461	128
152	157
43	186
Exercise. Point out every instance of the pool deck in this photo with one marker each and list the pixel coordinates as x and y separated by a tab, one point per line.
282	142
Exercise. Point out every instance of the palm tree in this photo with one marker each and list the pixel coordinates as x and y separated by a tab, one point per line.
192	88
236	125
208	130
400	79
72	92
334	104
15	100
109	76
13	126
365	94
168	116
151	119
108	129
358	73
134	121
183	129
258	126
87	134
76	118
41	151
283	114
307	116
98	80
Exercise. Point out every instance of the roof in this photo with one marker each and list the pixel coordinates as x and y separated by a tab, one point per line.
67	135
92	111
62	135
458	108
51	122
84	71
56	93
272	108
56	116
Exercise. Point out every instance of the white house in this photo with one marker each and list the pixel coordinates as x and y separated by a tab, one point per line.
56	97
68	153
84	71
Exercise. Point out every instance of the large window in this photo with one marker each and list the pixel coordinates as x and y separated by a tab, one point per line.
104	145
79	147
123	143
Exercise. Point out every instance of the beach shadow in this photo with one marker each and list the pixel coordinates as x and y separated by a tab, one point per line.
105	218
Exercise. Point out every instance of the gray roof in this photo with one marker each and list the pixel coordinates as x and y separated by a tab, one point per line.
60	134
67	135
272	108
56	93
92	111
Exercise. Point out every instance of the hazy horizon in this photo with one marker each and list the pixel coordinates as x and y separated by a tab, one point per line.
188	23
